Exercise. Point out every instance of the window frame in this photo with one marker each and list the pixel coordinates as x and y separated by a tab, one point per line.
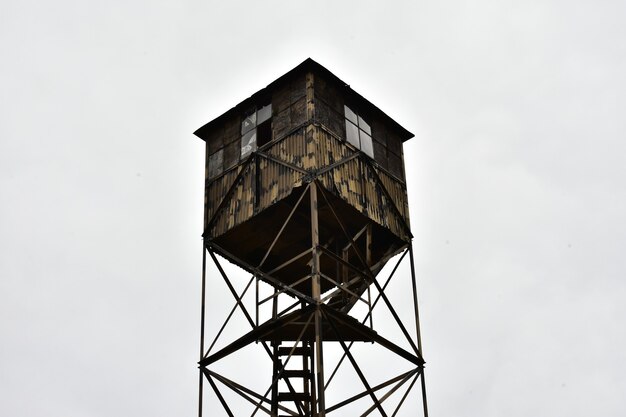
363	131
249	132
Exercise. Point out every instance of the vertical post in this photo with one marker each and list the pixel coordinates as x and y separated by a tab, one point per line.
257	185
319	364
338	267
415	307
417	326
276	361
202	304
315	241
257	300
424	402
368	260
205	221
316	295
345	275
311	380
306	388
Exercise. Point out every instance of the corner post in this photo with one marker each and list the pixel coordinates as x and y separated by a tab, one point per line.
202	308
417	326
316	295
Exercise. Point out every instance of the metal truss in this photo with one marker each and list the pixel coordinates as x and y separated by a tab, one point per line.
310	322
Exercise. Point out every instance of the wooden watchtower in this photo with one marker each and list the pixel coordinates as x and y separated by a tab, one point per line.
306	190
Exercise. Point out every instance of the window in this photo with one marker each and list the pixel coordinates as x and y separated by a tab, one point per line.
358	132
228	145
256	129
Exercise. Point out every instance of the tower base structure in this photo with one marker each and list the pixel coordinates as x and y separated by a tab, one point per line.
315	333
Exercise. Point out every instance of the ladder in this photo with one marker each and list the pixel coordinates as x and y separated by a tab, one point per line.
297	378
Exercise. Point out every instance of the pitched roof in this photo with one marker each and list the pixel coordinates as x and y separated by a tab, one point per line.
307	65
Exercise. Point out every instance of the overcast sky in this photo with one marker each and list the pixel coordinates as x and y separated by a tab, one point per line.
516	185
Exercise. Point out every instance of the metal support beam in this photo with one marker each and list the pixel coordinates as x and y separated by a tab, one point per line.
282	228
232	289
350	400
219	395
387	394
266	277
369	274
393	271
354	276
202	307
406	393
316	294
244	392
240	303
232	311
417	326
356	367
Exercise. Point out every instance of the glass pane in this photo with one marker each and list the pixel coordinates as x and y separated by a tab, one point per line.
216	163
366	144
352	134
364	126
350	115
248	123
248	143
264	114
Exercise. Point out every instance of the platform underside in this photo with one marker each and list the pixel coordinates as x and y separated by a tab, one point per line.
299	326
285	257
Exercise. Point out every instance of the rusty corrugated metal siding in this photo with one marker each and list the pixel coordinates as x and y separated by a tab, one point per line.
216	191
397	191
330	149
292	149
357	181
239	207
276	182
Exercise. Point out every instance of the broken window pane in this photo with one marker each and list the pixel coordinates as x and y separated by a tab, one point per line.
264	133
248	143
352	133
364	126
264	114
350	115
216	163
249	122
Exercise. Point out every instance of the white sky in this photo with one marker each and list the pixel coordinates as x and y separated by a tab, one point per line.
516	185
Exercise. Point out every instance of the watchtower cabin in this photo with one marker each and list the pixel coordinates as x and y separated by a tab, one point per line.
306	190
306	126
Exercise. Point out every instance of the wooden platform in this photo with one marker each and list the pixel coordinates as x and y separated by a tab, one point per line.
300	326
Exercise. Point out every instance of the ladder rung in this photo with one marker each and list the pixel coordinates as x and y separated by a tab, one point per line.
295	373
285	351
293	396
